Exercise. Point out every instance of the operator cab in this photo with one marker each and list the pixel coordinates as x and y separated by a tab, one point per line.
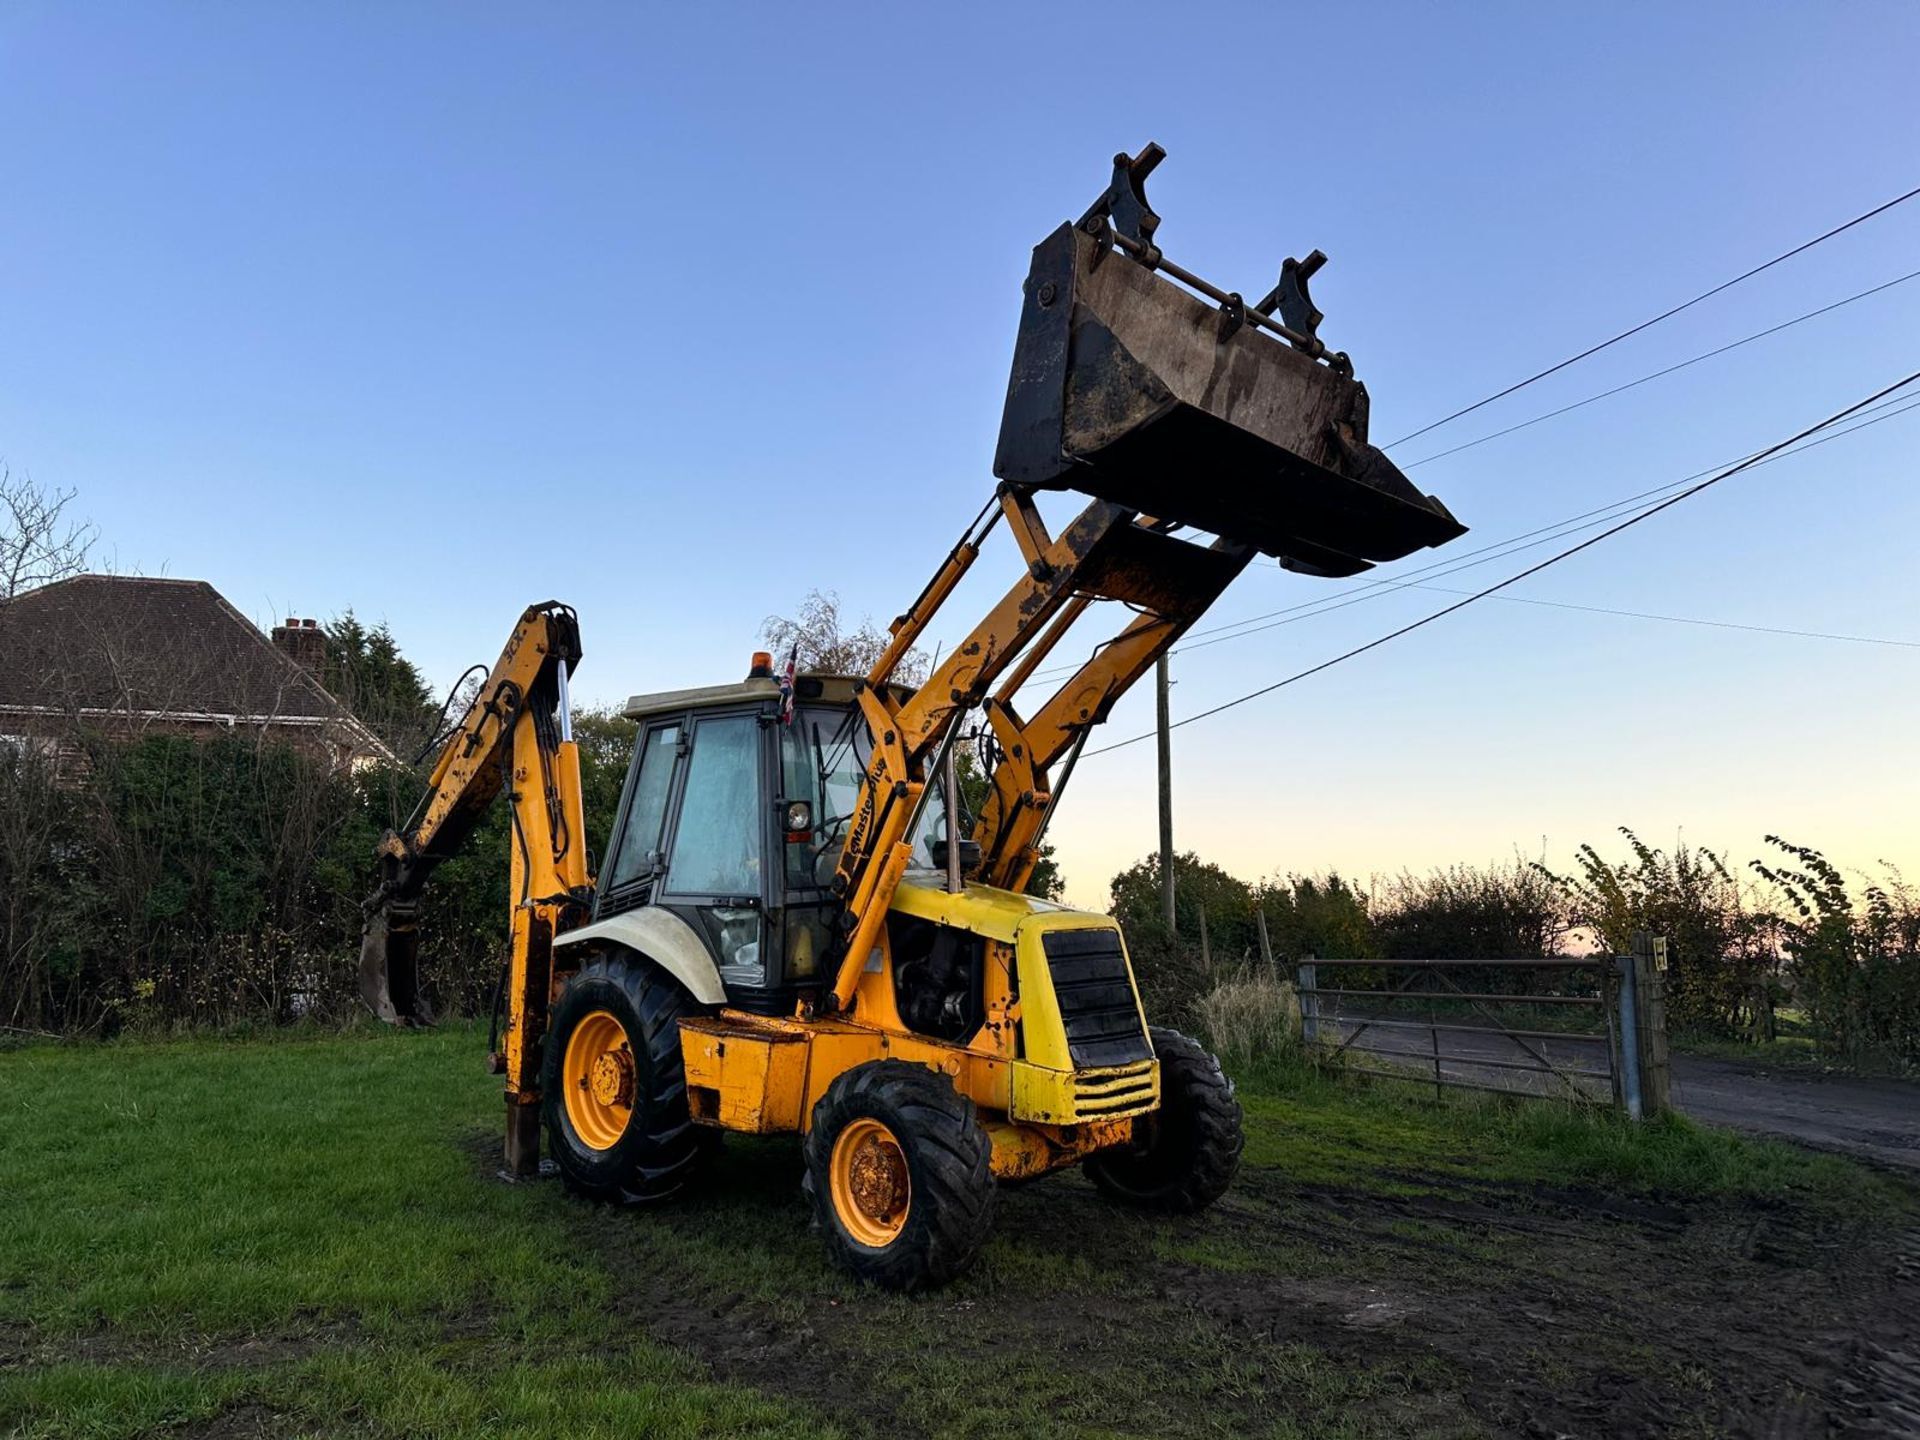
733	817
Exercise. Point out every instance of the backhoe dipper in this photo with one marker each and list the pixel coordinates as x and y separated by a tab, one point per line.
795	929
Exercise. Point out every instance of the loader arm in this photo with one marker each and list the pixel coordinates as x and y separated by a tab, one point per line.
1107	552
1173	406
516	737
1023	793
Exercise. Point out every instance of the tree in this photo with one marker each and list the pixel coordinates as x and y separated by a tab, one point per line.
1198	885
366	672
1855	968
1317	915
1719	948
38	543
821	640
606	739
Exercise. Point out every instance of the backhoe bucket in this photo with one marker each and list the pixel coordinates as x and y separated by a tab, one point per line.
389	977
1134	390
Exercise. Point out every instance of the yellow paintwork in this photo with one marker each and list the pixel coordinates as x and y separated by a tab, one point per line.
1018	1067
1107	551
769	1094
1024	1152
497	740
1019	921
1018	1063
531	985
742	1075
1054	1097
764	1074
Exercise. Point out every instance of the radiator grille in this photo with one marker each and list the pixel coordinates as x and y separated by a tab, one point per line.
1096	998
1101	1093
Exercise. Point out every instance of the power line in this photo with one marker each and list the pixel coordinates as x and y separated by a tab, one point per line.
1685	619
1499	549
1668	370
1535	569
1663	315
1526	540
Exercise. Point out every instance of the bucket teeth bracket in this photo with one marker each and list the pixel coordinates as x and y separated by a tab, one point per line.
1124	207
1140	384
1290	297
1233	314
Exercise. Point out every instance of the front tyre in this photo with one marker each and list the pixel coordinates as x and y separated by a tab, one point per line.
614	1088
900	1175
1185	1153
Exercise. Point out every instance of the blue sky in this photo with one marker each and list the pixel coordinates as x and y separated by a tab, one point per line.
675	313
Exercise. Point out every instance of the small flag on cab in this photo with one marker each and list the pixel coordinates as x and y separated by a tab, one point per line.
786	687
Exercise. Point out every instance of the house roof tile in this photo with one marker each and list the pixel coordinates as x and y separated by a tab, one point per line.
148	647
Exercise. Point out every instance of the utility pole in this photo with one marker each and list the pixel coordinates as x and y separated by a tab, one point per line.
1160	687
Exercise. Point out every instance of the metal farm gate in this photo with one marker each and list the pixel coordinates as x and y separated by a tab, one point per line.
1588	1028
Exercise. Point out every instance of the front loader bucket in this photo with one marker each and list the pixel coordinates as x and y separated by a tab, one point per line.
1134	390
389	977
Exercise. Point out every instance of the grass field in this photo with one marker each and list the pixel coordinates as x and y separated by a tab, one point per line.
304	1235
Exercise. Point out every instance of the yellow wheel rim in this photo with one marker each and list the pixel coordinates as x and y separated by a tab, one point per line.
598	1076
871	1191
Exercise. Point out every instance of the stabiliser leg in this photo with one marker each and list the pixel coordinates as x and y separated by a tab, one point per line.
522	1152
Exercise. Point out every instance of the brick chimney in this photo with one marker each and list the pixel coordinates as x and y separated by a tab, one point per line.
303	642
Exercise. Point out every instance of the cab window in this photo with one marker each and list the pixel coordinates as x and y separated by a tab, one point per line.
639	854
823	758
823	755
717	843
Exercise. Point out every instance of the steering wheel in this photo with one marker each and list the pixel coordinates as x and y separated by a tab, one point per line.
827	846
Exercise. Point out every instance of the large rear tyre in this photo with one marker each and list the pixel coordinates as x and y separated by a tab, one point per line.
614	1087
1185	1154
900	1174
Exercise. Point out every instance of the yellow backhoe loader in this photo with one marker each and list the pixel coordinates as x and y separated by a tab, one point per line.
796	930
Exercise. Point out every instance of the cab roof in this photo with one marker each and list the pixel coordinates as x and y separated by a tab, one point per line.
812	689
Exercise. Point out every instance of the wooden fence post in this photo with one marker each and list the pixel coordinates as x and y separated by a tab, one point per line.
1206	954
1763	1030
1266	949
1610	1007
1650	975
1309	992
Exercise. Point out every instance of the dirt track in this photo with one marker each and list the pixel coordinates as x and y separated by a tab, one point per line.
1875	1120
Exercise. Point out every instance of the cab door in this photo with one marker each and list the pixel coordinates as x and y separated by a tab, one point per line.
715	867
638	858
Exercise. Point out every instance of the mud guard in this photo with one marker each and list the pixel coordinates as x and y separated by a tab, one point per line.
665	939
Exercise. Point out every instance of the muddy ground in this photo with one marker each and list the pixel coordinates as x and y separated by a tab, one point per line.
1295	1308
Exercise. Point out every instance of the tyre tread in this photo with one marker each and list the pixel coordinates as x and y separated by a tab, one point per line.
1191	1078
669	1151
949	1155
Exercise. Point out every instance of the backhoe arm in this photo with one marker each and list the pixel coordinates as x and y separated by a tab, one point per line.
515	737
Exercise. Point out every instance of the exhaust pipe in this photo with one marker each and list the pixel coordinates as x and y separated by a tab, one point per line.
1192	406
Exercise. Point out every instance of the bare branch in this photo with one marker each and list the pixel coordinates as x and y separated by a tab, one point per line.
825	644
38	542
